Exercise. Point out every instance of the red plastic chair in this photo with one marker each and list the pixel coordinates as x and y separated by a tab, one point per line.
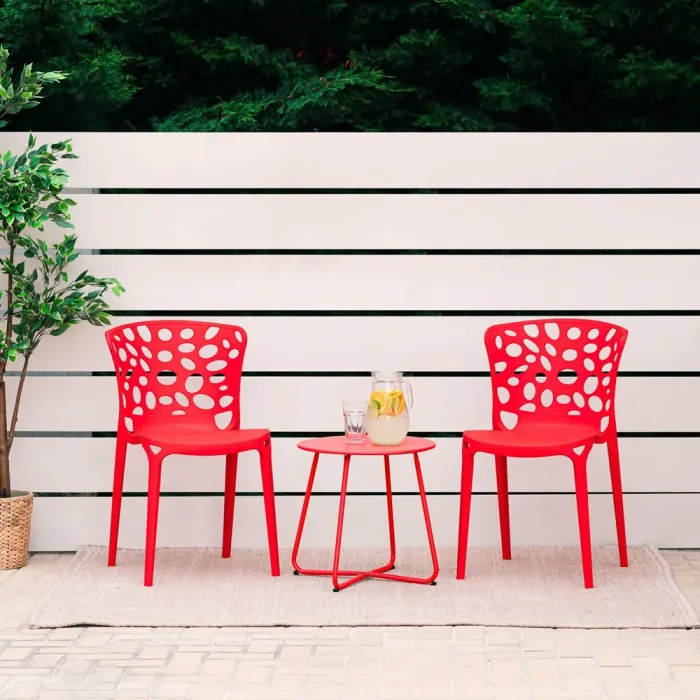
179	393
553	385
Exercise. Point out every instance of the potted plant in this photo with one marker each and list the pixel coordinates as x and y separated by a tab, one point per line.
39	295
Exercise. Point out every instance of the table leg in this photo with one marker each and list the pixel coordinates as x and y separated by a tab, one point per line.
300	529
302	518
381	572
431	540
339	534
426	514
390	510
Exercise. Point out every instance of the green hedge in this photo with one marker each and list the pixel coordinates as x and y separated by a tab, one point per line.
361	65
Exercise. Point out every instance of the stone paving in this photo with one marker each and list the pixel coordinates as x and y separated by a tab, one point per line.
470	663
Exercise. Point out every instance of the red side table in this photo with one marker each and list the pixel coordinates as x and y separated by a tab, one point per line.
339	446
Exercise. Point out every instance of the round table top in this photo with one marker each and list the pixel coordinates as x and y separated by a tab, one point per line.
337	445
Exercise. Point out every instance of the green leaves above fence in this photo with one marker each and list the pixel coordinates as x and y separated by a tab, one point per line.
25	92
362	65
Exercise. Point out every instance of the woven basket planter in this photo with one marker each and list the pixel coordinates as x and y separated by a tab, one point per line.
15	525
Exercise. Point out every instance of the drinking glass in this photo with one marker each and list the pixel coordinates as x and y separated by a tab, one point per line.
355	413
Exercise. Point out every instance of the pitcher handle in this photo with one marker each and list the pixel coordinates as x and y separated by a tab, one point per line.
408	393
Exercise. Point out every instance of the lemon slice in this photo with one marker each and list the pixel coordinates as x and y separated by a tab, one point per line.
398	402
372	410
382	400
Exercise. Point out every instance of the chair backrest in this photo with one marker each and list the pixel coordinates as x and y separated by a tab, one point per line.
554	368
184	371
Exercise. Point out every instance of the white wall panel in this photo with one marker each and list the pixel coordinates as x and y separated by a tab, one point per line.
379	160
664	520
389	221
364	343
299	282
84	465
303	404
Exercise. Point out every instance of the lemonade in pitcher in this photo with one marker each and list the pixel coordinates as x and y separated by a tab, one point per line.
387	410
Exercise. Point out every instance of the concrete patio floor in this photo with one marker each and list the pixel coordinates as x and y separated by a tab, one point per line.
473	663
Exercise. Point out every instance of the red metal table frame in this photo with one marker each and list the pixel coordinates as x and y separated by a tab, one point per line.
339	446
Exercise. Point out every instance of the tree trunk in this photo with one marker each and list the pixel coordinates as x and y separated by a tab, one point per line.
5	486
15	413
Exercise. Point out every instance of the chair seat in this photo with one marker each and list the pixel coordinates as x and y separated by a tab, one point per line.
200	440
531	440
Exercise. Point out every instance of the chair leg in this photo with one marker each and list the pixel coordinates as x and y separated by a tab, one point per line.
155	462
503	507
117	490
584	526
616	482
269	498
465	501
229	500
390	511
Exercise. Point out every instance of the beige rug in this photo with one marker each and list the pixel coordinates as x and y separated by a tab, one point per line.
540	587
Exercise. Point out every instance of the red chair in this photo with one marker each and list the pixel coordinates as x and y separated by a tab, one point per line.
553	385
179	393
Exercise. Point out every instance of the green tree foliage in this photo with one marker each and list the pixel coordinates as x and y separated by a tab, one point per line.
362	65
39	295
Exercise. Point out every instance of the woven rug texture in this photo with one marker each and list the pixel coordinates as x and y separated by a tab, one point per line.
539	587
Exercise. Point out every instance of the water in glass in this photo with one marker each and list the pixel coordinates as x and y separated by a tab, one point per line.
355	413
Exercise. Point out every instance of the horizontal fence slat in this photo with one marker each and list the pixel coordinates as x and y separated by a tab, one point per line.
412	283
84	465
63	524
307	404
380	160
351	344
383	222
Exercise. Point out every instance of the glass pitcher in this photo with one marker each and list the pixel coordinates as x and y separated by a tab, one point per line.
387	410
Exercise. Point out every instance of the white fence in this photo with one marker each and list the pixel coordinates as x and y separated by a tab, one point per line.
331	286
